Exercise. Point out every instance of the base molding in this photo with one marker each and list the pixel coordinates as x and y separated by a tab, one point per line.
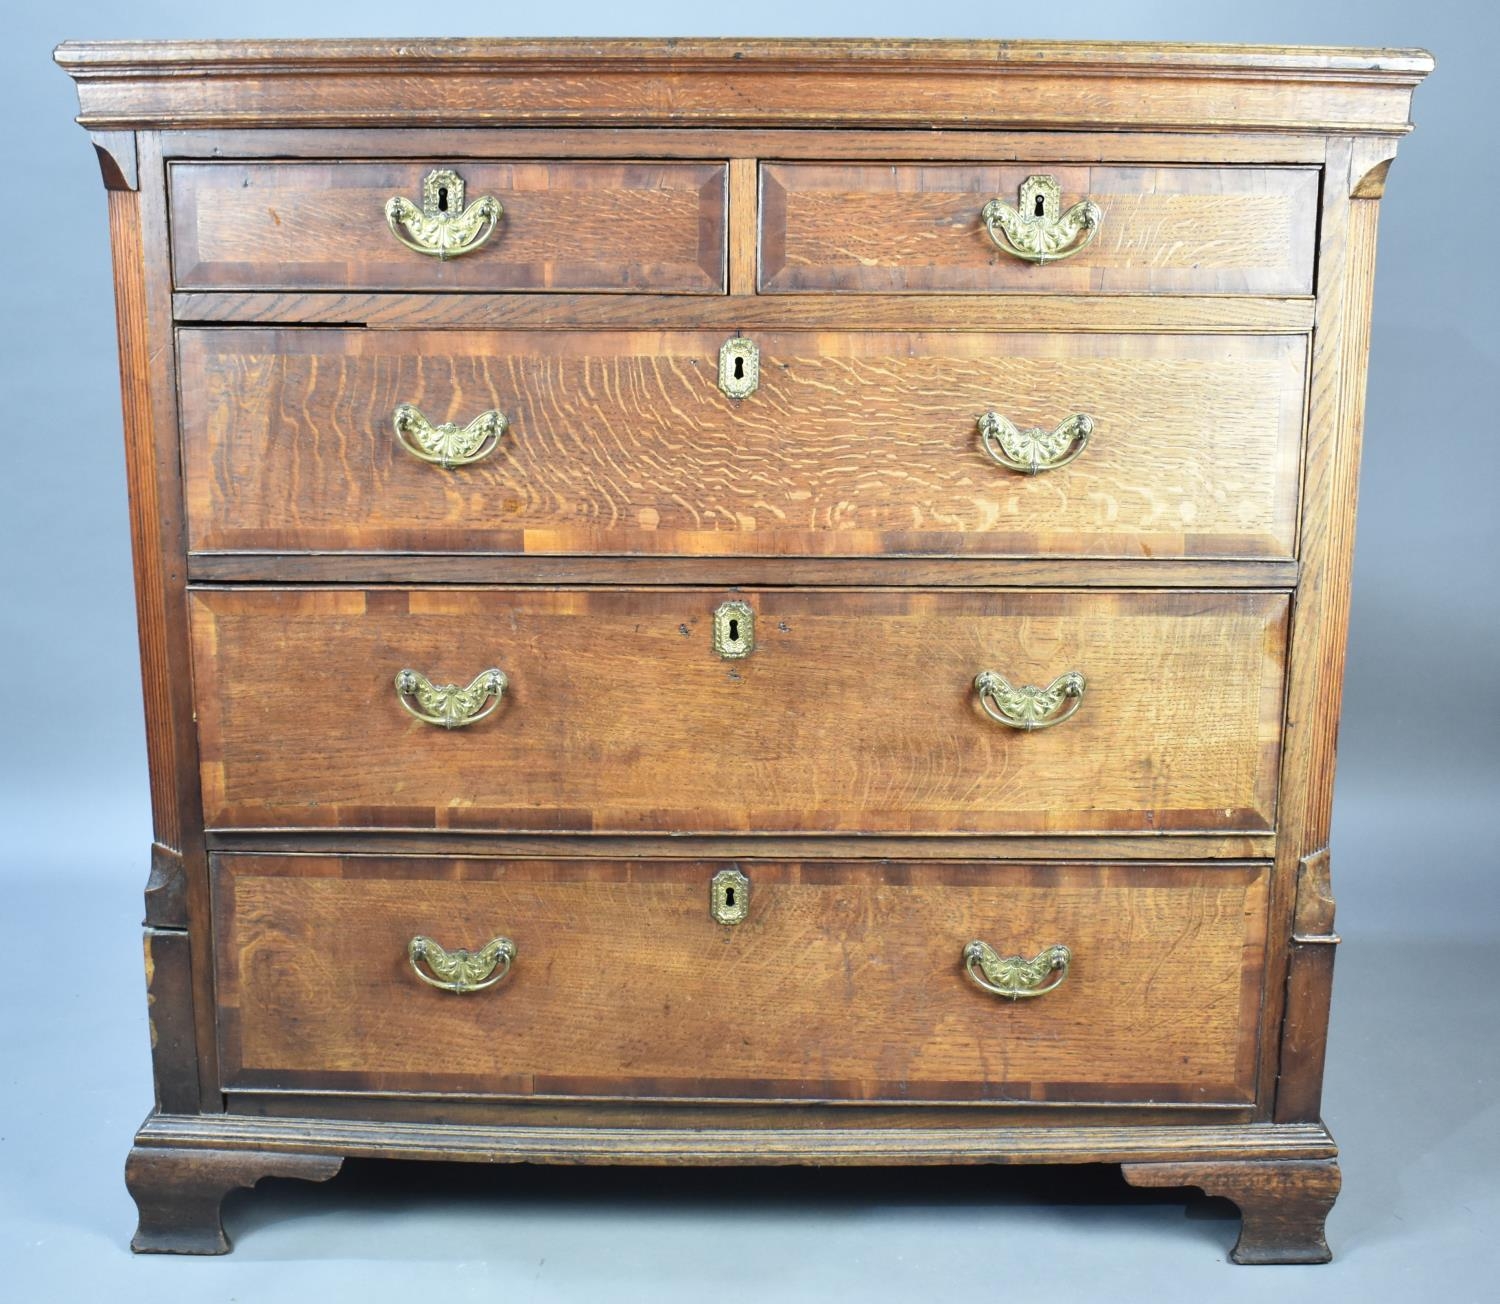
899	1144
1284	1177
1283	1202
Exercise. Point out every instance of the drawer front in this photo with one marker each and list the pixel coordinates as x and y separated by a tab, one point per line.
845	981
855	711
854	444
877	227
579	226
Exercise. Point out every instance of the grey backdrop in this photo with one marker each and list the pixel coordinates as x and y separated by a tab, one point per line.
1412	1071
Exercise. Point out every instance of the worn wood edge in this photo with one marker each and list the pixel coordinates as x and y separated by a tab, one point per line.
780	1145
929	146
158	517
1088	314
170	1018
81	57
1215	849
910	83
166	889
501	569
1299	988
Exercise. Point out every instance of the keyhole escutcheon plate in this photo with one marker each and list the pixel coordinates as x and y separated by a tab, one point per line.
729	897
734	630
739	367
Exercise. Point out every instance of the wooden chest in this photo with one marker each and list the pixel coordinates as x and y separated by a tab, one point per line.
742	602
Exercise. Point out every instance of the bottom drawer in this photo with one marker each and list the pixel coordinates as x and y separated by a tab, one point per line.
844	981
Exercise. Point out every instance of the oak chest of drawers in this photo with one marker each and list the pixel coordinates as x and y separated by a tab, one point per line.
742	602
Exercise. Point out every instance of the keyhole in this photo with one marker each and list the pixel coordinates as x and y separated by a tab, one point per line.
443	199
729	896
739	368
1041	205
734	637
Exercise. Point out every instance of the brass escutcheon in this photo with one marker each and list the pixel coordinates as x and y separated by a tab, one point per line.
729	896
734	630
739	367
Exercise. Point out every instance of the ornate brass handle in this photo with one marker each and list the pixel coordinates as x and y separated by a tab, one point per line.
448	705
449	444
1034	450
1014	976
1028	707
1038	231
461	971
442	227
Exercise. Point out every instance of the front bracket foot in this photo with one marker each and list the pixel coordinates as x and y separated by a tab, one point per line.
179	1192
1283	1202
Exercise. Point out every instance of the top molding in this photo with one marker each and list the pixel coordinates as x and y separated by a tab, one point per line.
1021	85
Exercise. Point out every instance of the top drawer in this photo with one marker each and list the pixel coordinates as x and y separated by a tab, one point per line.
874	228
566	226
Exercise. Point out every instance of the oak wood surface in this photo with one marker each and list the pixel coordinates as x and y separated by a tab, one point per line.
1025	313
844	981
846	755
566	225
1030	85
855	443
916	227
854	713
749	847
830	572
928	144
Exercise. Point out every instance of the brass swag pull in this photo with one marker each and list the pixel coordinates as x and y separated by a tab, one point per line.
1029	708
461	971
442	227
447	705
1034	450
1038	231
449	444
1014	976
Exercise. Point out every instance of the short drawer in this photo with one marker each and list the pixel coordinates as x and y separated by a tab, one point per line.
843	981
853	711
916	227
854	443
563	225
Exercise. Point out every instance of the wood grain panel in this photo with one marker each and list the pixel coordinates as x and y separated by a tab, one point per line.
916	227
1021	85
1024	313
855	712
844	982
855	444
602	226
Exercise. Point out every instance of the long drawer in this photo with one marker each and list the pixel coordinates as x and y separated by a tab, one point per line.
855	443
843	980
568	225
854	711
871	228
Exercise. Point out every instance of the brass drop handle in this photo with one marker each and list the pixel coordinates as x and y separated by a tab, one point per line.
1029	708
1014	976
447	705
449	444
1035	450
1038	231
442	227
461	971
